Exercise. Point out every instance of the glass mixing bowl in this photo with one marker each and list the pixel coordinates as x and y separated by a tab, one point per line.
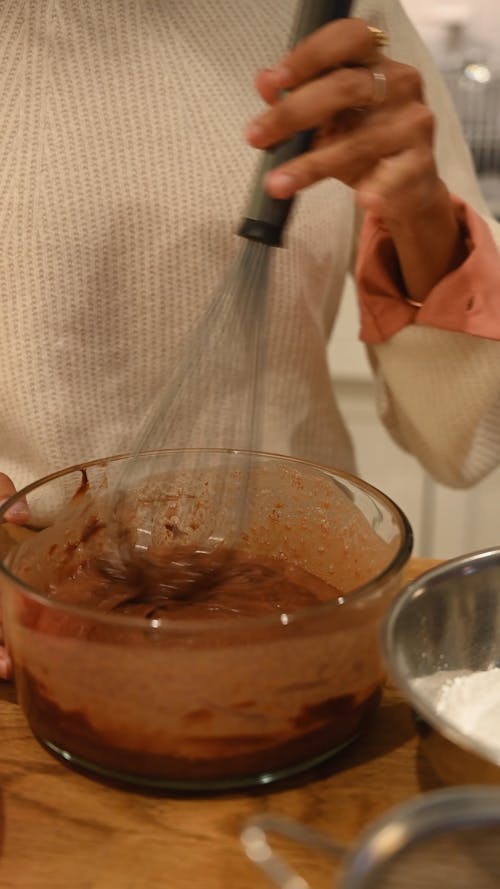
190	704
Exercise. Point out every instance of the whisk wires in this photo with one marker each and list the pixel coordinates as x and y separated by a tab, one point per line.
214	398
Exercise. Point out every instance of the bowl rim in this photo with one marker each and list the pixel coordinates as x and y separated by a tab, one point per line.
427	815
362	592
419	702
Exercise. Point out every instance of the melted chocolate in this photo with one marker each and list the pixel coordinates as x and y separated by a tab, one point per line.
323	729
191	584
240	724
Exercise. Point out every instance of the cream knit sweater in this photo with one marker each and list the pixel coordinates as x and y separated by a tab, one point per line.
123	178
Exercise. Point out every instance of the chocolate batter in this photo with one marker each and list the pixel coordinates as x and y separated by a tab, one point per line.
191	584
230	701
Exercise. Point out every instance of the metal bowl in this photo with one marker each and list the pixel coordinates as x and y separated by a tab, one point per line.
445	837
447	620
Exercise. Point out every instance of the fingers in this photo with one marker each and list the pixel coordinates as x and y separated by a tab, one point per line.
265	85
19	512
367	155
5	664
347	41
321	100
353	141
323	84
309	106
341	43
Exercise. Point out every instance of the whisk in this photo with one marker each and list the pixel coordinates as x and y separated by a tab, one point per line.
218	383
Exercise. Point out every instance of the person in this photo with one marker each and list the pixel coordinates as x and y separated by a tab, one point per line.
121	191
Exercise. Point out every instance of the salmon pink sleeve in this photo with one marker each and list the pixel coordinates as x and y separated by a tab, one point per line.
465	301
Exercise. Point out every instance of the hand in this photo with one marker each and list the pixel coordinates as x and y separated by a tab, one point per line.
5	662
374	132
17	514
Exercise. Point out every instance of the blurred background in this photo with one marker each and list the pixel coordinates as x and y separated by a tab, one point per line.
464	38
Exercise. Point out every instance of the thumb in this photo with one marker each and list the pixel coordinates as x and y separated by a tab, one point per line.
18	513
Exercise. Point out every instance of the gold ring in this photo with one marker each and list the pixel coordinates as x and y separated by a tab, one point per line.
380	38
379	86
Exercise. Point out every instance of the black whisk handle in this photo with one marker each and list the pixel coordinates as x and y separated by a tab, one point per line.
313	14
267	216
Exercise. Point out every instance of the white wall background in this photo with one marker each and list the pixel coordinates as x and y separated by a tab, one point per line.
480	17
484	15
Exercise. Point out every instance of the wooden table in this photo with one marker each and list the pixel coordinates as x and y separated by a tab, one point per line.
60	830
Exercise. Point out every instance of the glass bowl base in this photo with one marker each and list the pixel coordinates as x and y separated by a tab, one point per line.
163	783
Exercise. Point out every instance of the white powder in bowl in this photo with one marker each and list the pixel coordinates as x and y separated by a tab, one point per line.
469	701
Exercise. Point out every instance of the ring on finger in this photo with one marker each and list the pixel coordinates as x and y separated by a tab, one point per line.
379	86
380	37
